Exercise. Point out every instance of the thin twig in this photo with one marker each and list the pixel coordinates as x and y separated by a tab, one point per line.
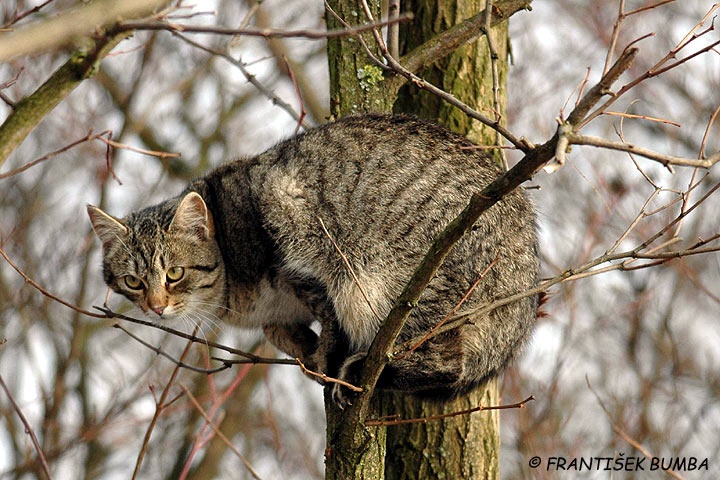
450	314
376	61
452	100
659	68
325	378
90	136
251	78
350	269
37	286
711	121
665	159
160	405
620	261
219	432
10	103
648	7
153	153
634	443
177	362
642	117
265	32
218	400
28	429
432	418
614	37
24	14
251	358
303	112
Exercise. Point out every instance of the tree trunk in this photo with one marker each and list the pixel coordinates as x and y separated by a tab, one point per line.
460	447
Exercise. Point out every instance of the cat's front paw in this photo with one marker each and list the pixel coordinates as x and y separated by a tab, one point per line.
349	373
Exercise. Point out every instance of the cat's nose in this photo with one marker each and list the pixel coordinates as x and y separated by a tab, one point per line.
158	310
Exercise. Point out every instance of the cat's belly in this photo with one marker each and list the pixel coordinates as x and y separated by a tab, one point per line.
271	305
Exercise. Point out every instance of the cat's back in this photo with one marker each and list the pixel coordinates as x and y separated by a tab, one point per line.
377	176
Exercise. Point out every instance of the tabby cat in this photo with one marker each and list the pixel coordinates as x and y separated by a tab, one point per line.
257	242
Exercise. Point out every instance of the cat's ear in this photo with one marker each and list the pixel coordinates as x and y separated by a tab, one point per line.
109	229
192	214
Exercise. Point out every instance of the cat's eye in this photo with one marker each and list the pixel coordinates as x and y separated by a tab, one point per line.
175	274
133	282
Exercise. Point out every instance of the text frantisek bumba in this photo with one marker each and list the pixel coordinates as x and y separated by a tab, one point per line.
620	462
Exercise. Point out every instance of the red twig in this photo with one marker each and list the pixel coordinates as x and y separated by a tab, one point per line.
303	112
28	429
218	432
203	436
327	379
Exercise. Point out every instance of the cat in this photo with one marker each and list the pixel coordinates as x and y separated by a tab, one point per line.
259	242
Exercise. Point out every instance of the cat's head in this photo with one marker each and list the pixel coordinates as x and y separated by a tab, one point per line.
164	258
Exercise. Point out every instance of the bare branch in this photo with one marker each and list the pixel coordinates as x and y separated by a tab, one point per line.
398	421
519	143
90	136
250	357
272	96
450	314
24	14
152	153
160	405
107	313
219	432
177	362
642	117
620	261
602	88
634	443
28	429
325	378
660	67
37	286
665	159
264	33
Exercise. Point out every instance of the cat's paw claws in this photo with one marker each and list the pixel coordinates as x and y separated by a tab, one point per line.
340	396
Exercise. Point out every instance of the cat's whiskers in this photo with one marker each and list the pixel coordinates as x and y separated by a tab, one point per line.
218	306
201	314
208	319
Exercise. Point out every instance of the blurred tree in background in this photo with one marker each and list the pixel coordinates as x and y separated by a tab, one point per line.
625	362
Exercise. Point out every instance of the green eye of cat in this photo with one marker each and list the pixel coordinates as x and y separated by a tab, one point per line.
133	282
175	274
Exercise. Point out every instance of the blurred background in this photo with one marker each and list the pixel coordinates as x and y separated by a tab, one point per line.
624	363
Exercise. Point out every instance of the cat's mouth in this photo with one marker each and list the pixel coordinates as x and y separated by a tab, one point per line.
162	311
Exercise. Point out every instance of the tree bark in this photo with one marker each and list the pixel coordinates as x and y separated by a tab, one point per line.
459	447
